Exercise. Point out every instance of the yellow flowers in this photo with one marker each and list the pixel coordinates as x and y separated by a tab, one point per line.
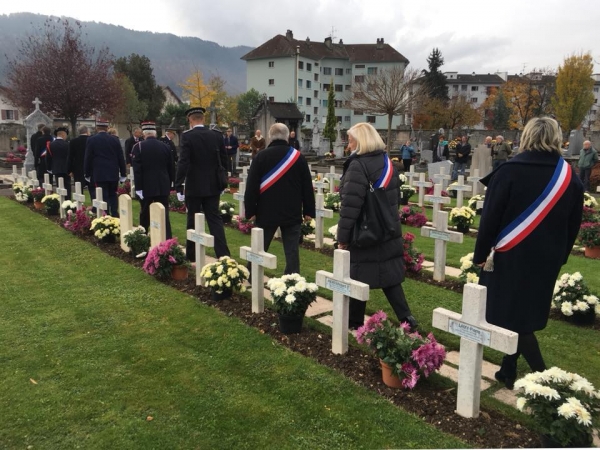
104	227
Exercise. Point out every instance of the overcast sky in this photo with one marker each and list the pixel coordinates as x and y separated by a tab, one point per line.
473	36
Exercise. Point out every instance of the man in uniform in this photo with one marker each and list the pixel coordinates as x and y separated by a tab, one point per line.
104	165
130	142
154	172
168	139
57	158
41	151
231	147
76	155
201	149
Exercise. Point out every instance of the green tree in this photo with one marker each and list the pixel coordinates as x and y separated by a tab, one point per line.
139	70
331	122
501	112
434	81
131	110
247	104
574	94
174	115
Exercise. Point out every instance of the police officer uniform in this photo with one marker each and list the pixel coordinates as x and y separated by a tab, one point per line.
57	159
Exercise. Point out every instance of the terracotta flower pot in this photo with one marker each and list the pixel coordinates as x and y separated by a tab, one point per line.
592	252
389	379
179	272
233	190
38	205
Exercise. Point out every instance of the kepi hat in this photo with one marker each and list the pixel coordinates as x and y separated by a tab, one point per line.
101	123
65	129
195	110
148	126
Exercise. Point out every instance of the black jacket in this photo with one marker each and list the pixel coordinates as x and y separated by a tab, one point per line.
286	201
57	158
382	265
76	156
201	149
171	146
103	160
232	142
294	143
129	143
41	145
465	151
519	290
153	168
33	141
445	153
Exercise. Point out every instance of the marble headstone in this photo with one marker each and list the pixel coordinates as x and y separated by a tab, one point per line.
427	155
481	160
434	168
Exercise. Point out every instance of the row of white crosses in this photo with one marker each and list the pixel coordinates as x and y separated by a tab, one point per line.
442	236
410	175
422	185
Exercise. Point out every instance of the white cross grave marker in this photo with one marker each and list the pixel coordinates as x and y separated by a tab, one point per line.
442	236
131	182
320	184
244	175
201	239
437	200
422	184
78	196
460	188
343	288
410	175
47	185
320	212
475	180
474	333
259	259
99	204
479	204
239	196
62	192
33	181
23	177
125	217
158	225
15	174
442	177
332	177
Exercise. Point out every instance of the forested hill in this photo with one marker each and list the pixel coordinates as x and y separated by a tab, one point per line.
173	57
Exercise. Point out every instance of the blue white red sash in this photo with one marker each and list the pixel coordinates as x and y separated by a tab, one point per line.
528	220
279	170
386	174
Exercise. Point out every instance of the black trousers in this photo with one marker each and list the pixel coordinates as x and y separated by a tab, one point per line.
67	182
290	237
406	163
145	212
109	195
529	347
210	207
394	294
232	167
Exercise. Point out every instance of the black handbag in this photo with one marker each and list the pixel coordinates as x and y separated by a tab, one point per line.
376	222
222	174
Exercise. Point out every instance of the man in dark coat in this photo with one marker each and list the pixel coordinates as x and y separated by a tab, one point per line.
58	157
168	139
42	145
201	150
104	165
286	200
231	147
34	138
520	287
154	172
463	151
77	155
130	142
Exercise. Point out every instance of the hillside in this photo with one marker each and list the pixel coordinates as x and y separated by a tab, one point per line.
173	57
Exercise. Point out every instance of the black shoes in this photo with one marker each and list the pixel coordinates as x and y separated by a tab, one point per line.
509	382
412	322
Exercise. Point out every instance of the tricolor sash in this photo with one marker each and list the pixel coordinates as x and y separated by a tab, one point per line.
386	174
528	220
279	170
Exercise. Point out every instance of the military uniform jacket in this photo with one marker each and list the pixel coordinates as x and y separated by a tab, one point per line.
40	146
104	159
198	162
76	156
57	157
171	146
129	143
153	168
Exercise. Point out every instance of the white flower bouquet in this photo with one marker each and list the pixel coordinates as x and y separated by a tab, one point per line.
226	274
106	228
469	272
332	201
573	297
22	192
69	206
451	189
462	217
292	294
472	203
589	201
402	178
138	241
565	405
226	209
407	191
333	231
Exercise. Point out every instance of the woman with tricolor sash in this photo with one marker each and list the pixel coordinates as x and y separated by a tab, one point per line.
529	223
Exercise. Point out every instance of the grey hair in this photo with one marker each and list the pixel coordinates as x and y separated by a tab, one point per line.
279	131
149	133
541	134
83	130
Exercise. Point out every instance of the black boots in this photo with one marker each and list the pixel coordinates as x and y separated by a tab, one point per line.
508	371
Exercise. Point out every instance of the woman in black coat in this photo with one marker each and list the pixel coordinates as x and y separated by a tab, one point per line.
382	265
520	287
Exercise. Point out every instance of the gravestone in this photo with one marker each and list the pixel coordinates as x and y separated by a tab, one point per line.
239	196
320	184
324	148
98	203
31	123
244	175
47	185
78	196
460	187
320	213
15	174
126	217
62	192
343	288
258	259
442	236
410	175
437	200
475	181
475	333
427	155
23	178
132	182
338	147
201	240
421	185
442	178
158	224
482	159
332	177
316	136
575	142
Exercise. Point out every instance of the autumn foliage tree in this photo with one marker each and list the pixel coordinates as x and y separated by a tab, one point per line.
71	78
196	91
130	109
457	112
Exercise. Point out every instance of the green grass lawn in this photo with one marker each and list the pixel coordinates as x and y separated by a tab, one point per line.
93	347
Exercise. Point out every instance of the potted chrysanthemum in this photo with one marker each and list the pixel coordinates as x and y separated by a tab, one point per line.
332	201
38	194
589	201
22	192
589	237
574	299
406	192
413	259
226	209
138	241
462	218
565	406
413	215
167	259
69	206
472	203
52	204
291	297
224	276
469	271
106	228
307	228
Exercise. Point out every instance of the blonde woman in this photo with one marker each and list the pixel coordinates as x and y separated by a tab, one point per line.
520	247
381	266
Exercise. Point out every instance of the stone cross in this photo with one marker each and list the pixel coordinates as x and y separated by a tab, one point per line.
47	185
338	129
32	180
37	103
437	200
442	177
474	333
132	182
343	288
460	188
597	188
99	204
332	177
15	174
201	239
479	204
24	178
78	196
259	259
239	196
158	224
442	236
320	184
410	175
244	175
320	213
475	180
125	217
422	184
213	113
62	192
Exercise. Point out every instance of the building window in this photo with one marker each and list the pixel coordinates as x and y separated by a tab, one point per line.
271	99
326	70
371	119
308	84
358	112
300	100
372	71
326	87
346	118
338	119
359	66
271	82
347	87
455	87
474	88
339	88
339	72
316	110
308	118
596	89
325	103
593	112
10	114
316	77
308	67
463	87
271	63
348	71
473	99
299	82
359	78
339	104
301	65
595	100
316	94
308	101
